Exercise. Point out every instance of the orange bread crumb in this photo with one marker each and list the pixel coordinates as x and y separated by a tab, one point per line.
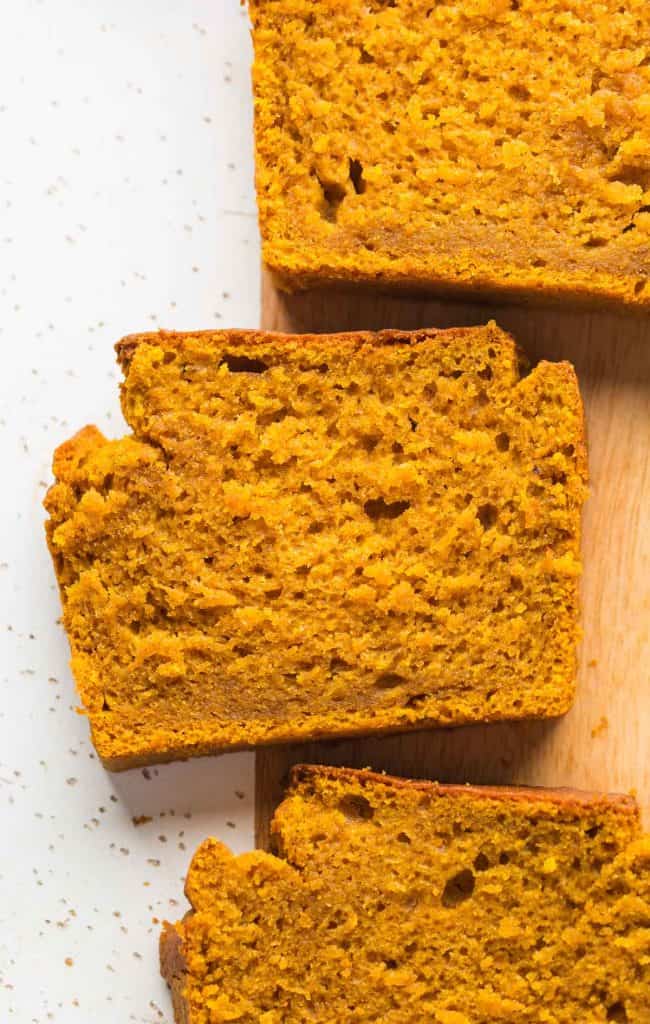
321	535
600	728
499	145
399	902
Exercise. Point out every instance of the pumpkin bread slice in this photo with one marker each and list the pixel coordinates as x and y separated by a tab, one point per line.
496	147
397	901
312	536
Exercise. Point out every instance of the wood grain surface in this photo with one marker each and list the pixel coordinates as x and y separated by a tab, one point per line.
604	741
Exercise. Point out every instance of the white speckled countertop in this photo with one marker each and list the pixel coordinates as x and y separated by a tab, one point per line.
126	203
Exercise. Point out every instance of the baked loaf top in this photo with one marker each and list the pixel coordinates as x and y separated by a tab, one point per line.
321	535
398	901
489	144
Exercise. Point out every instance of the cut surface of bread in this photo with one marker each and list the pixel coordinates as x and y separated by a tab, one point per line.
488	145
399	901
314	536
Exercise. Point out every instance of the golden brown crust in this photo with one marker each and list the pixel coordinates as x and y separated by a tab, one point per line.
184	751
127	346
488	288
173	968
565	796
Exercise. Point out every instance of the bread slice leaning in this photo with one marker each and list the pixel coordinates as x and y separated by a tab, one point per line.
396	900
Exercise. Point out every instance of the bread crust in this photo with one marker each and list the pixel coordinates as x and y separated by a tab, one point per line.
184	752
127	346
173	968
562	796
612	297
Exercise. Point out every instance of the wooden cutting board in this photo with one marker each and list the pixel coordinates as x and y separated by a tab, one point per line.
604	741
